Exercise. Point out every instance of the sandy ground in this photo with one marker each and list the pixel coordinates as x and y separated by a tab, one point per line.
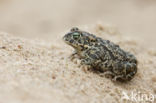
37	71
34	61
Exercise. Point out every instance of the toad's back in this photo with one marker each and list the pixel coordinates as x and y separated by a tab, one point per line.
115	52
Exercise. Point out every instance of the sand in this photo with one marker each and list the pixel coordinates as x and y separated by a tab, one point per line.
38	71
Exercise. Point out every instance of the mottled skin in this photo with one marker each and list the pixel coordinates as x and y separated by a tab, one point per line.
102	55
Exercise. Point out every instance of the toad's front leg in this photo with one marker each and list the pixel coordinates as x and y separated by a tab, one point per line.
124	71
72	56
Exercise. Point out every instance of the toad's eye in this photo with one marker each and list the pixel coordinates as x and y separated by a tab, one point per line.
76	35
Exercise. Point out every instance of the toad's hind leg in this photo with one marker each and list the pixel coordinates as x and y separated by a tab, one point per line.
131	70
106	69
124	71
108	74
105	66
124	67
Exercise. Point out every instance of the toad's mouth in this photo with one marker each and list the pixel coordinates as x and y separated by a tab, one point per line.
68	42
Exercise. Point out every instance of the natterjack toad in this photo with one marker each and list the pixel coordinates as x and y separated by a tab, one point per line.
102	55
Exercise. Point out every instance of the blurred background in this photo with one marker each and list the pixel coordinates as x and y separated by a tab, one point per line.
47	18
